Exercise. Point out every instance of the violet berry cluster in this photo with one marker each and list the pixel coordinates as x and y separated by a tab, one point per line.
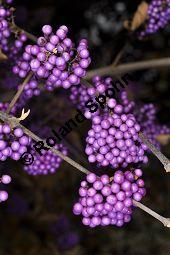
114	139
55	59
158	17
81	94
4	107
129	106
10	46
106	202
5	32
18	44
147	118
48	163
13	142
31	89
4	180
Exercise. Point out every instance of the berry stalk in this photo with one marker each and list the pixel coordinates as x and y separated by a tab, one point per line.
165	221
15	29
123	68
164	160
19	92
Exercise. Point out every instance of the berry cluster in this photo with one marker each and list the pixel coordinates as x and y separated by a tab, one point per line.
113	139
4	107
55	59
81	94
13	142
146	116
47	163
104	202
8	47
17	45
5	32
129	106
31	89
158	17
5	179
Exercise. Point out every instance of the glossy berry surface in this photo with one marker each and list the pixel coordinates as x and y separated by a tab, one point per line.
55	59
48	163
106	202
158	17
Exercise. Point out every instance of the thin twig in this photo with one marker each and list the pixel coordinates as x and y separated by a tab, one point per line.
165	221
119	56
19	92
164	160
14	122
123	68
16	29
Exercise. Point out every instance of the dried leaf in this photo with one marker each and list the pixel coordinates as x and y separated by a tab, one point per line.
2	56
126	24
139	17
163	139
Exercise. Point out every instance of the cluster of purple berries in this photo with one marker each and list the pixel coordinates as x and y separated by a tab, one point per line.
129	106
5	31
149	125
55	59
158	17
105	202
13	142
47	163
146	114
17	45
81	94
8	46
147	119
4	107
5	179
31	89
113	139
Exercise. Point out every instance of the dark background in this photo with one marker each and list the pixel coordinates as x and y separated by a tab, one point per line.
37	219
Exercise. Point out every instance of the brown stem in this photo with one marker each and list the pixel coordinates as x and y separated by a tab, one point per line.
14	122
123	68
165	221
164	160
16	29
119	56
19	92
